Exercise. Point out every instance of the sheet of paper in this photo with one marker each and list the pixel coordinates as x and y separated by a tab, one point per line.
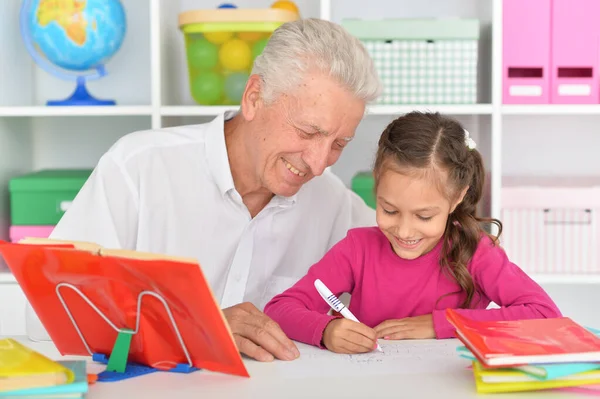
398	357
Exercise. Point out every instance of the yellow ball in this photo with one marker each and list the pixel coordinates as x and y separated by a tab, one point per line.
235	55
251	36
218	37
286	5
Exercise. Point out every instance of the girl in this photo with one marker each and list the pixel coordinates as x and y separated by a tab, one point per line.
427	253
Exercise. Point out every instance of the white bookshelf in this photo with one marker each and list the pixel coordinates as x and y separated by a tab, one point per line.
554	109
566	279
65	111
148	79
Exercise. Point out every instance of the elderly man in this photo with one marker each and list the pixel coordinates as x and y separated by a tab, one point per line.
248	195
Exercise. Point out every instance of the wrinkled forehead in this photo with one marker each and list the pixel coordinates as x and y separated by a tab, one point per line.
323	112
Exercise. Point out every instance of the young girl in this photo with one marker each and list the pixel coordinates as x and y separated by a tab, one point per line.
427	253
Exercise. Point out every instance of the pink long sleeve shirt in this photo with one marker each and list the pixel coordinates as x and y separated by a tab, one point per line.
384	286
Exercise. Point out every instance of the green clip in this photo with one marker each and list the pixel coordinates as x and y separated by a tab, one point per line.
118	357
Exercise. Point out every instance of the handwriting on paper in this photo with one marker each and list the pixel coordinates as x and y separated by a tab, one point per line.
398	357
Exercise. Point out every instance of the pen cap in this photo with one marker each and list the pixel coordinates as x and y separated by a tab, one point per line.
328	296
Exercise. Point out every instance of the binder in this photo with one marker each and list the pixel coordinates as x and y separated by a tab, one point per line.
575	51
138	312
526	51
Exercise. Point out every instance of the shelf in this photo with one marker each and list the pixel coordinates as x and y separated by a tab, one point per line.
43	110
566	278
6	277
468	109
196	110
551	109
475	109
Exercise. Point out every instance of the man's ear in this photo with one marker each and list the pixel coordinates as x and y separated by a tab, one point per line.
459	199
251	99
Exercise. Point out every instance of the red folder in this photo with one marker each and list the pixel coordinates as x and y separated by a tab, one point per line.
510	343
113	280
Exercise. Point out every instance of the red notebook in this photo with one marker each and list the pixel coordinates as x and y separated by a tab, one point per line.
520	342
112	280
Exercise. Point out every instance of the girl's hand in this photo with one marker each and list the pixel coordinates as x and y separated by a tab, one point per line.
419	327
347	336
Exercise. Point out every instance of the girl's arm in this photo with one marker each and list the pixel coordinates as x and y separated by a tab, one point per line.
504	283
300	311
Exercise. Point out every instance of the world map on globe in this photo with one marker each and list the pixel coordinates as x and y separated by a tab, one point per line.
69	16
77	34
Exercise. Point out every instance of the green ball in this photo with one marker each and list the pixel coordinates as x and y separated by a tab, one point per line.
258	47
202	54
235	84
207	88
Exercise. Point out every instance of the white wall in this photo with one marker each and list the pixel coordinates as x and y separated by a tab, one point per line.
551	145
87	137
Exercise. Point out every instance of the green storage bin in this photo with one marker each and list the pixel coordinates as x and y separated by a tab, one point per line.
422	60
41	198
363	184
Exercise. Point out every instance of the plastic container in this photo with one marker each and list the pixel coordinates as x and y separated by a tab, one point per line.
17	233
422	61
41	198
552	225
363	184
221	46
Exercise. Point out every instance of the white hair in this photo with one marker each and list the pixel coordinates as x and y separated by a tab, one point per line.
308	44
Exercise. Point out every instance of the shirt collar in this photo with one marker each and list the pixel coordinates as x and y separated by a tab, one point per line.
216	154
218	160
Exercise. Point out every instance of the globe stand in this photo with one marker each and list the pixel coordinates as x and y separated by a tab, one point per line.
81	96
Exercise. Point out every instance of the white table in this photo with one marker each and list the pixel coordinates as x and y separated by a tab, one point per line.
266	381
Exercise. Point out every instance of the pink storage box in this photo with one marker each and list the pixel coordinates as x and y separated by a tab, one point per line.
575	52
550	225
19	232
526	51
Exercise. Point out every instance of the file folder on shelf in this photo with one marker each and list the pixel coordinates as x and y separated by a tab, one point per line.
526	51
575	52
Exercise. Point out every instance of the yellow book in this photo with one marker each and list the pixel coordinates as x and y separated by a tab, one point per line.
506	380
22	367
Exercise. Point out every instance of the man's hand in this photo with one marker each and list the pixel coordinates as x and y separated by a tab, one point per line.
347	336
419	327
258	336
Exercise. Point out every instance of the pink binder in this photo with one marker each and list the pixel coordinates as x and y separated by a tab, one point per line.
526	51
575	51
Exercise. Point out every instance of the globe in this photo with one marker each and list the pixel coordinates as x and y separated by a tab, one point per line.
73	40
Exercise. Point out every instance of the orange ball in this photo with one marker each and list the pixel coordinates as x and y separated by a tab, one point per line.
286	5
251	36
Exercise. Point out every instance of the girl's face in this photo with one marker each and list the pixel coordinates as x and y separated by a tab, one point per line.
411	211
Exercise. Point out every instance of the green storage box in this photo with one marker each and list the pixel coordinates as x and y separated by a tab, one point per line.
41	198
363	184
422	60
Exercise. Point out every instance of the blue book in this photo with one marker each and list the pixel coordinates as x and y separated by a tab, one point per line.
76	389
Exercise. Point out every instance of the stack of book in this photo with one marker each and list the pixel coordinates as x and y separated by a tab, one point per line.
25	373
528	355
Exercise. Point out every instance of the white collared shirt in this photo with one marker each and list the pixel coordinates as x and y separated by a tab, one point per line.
171	191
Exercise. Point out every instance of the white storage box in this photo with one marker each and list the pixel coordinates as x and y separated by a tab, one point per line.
550	225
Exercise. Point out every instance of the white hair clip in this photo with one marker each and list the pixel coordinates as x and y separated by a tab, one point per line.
469	142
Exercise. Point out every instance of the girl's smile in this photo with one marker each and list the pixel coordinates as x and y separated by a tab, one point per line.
411	211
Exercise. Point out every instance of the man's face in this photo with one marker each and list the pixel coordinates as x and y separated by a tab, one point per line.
301	133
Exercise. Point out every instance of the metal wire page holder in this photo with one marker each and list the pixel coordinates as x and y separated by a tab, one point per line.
118	368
